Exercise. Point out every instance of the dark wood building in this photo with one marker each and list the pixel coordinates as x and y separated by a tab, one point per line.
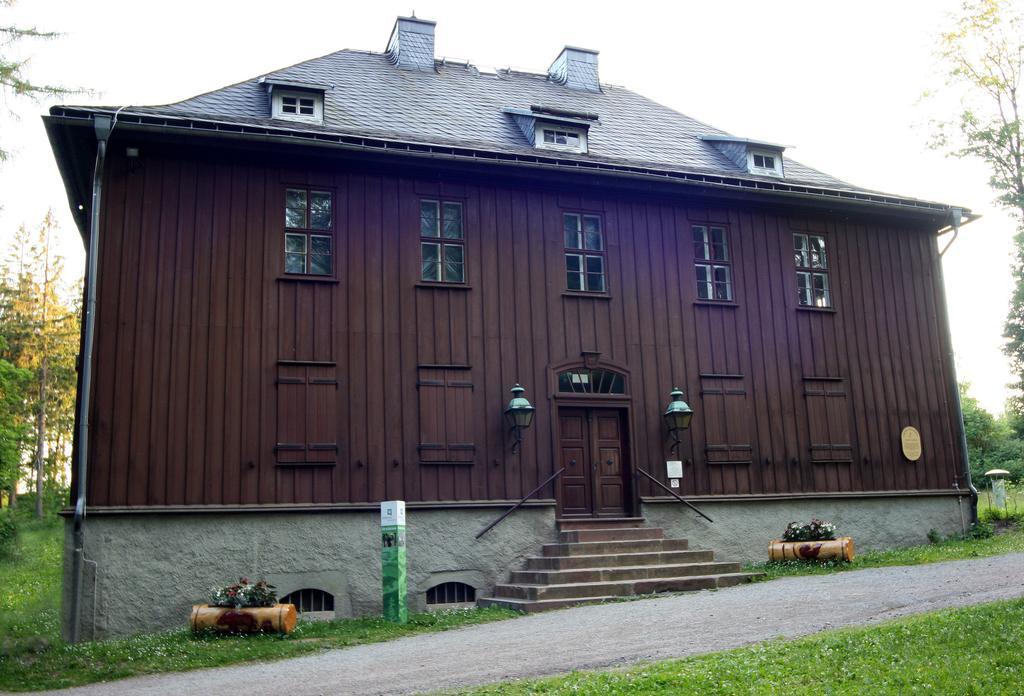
315	289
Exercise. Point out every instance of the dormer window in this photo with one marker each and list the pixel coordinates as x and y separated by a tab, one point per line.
762	162
550	128
753	156
561	138
299	106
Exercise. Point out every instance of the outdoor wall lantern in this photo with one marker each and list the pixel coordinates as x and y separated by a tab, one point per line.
519	415
677	417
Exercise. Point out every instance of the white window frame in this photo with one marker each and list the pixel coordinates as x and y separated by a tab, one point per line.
813	294
706	262
318	106
581	133
770	171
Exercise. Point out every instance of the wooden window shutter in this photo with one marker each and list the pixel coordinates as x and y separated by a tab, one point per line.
727	420
307	397
446	415
828	419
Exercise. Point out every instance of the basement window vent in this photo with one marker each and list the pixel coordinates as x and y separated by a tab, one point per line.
450	593
310	600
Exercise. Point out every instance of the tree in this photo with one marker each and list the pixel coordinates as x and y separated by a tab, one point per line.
13	79
982	56
980	426
13	431
40	329
992	443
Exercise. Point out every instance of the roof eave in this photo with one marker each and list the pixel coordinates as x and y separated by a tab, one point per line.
773	188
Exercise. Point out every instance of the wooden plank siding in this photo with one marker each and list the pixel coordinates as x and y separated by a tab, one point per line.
207	353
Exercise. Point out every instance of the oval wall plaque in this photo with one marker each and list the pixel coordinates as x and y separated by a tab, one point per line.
910	439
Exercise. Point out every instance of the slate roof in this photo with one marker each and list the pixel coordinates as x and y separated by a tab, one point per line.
458	104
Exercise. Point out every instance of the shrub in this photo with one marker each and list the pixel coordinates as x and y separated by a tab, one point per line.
244	594
8	534
815	530
982	530
934	536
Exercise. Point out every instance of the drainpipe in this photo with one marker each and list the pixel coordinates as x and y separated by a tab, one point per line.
103	126
955	215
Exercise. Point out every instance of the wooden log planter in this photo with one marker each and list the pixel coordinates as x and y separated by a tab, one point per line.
832	549
279	618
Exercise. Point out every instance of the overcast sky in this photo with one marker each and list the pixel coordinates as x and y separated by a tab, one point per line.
839	82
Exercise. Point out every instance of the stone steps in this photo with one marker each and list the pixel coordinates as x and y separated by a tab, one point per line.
594	548
622	559
627	588
584	523
599	560
635	533
624	573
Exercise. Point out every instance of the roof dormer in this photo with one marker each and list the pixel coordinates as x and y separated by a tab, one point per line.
295	101
554	129
753	156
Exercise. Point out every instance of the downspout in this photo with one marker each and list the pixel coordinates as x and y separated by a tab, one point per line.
955	215
103	126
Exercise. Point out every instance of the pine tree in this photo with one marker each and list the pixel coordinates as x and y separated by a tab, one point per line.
13	79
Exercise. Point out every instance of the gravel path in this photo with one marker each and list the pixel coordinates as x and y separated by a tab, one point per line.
605	636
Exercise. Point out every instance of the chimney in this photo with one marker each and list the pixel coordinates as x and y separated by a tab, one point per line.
576	68
412	43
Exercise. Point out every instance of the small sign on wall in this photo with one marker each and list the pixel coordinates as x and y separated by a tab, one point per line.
674	469
910	440
673	483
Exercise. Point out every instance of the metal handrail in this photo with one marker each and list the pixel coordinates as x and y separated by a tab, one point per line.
674	494
515	507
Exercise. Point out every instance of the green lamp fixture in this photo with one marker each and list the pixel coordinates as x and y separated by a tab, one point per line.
677	417
518	415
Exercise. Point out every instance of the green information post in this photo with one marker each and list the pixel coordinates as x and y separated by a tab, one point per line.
392	559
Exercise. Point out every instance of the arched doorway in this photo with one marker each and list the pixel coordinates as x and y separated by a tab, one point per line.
592	426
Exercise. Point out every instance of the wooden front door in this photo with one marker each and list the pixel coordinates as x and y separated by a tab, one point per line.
593	451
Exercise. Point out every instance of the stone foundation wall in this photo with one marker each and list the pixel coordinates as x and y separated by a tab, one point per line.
144	571
741	530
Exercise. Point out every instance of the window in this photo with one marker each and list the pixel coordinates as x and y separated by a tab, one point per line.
812	286
714	266
299	106
586	381
584	253
446	415
309	600
442	242
558	137
448	593
561	138
308	238
306	414
765	163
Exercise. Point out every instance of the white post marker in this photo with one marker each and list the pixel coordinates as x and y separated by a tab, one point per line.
392	558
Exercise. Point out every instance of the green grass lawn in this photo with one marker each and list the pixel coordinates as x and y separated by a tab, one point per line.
33	657
977	650
1009	540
